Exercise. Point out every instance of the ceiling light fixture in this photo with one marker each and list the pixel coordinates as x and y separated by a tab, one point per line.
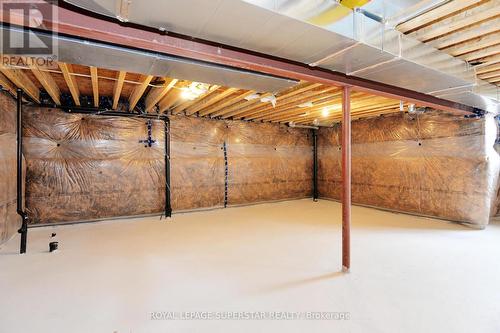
194	90
325	112
188	94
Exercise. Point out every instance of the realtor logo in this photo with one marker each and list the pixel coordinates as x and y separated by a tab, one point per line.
28	19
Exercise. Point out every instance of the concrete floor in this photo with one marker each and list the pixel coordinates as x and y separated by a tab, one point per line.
409	274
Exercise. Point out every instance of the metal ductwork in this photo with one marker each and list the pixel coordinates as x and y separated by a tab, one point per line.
321	33
75	51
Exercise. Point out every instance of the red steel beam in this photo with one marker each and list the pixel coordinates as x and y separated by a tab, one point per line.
78	23
346	179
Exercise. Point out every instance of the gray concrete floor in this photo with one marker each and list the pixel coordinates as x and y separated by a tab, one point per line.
409	274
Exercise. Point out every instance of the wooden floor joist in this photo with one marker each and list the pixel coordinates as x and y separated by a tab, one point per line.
481	53
293	108
95	85
181	107
67	70
169	100
7	85
467	34
434	15
207	102
474	45
460	21
241	107
222	105
156	94
488	68
139	91
48	83
117	90
21	80
298	96
293	102
254	105
468	30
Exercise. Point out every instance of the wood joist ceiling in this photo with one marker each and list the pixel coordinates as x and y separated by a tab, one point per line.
466	29
71	85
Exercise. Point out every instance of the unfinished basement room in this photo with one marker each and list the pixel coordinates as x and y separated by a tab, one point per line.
249	166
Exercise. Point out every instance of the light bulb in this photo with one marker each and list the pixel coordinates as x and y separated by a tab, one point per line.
325	112
187	94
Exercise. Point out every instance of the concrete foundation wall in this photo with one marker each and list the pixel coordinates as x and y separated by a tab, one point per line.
432	164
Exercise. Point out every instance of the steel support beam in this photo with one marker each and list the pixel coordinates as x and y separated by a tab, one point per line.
346	179
73	22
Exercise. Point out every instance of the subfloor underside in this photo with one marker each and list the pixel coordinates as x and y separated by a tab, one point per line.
409	274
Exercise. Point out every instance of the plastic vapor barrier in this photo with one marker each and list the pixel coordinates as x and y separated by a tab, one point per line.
268	162
85	167
216	163
197	163
9	219
432	164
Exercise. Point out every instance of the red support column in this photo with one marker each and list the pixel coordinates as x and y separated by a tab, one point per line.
346	179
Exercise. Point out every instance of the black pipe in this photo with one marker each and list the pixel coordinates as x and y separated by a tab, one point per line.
100	112
168	204
24	218
315	165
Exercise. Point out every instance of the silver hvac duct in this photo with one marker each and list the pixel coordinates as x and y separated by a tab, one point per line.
320	33
76	51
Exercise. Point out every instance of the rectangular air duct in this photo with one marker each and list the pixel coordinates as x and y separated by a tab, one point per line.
89	53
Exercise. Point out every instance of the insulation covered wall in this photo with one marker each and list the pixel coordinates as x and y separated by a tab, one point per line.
9	219
84	167
197	163
432	164
265	162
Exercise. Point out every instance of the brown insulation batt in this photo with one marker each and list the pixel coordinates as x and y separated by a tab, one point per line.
84	167
265	162
432	164
9	220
